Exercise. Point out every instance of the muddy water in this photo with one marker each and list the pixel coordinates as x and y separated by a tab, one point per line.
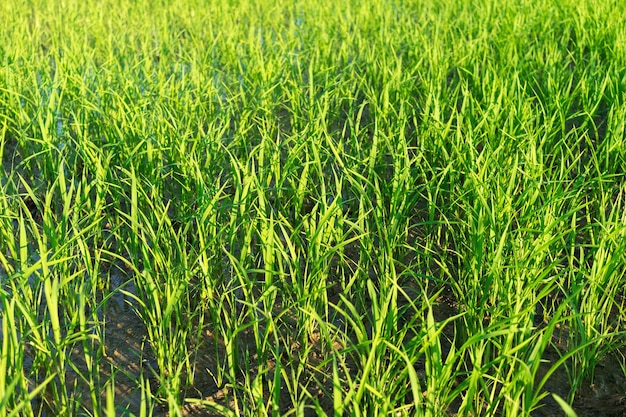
128	357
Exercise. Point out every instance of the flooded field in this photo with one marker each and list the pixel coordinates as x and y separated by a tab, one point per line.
407	208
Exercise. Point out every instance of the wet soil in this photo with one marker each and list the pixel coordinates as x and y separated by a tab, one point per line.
129	356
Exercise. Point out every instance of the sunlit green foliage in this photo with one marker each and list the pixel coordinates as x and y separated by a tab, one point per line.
374	207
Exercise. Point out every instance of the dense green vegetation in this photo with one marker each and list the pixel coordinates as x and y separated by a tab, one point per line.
376	207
